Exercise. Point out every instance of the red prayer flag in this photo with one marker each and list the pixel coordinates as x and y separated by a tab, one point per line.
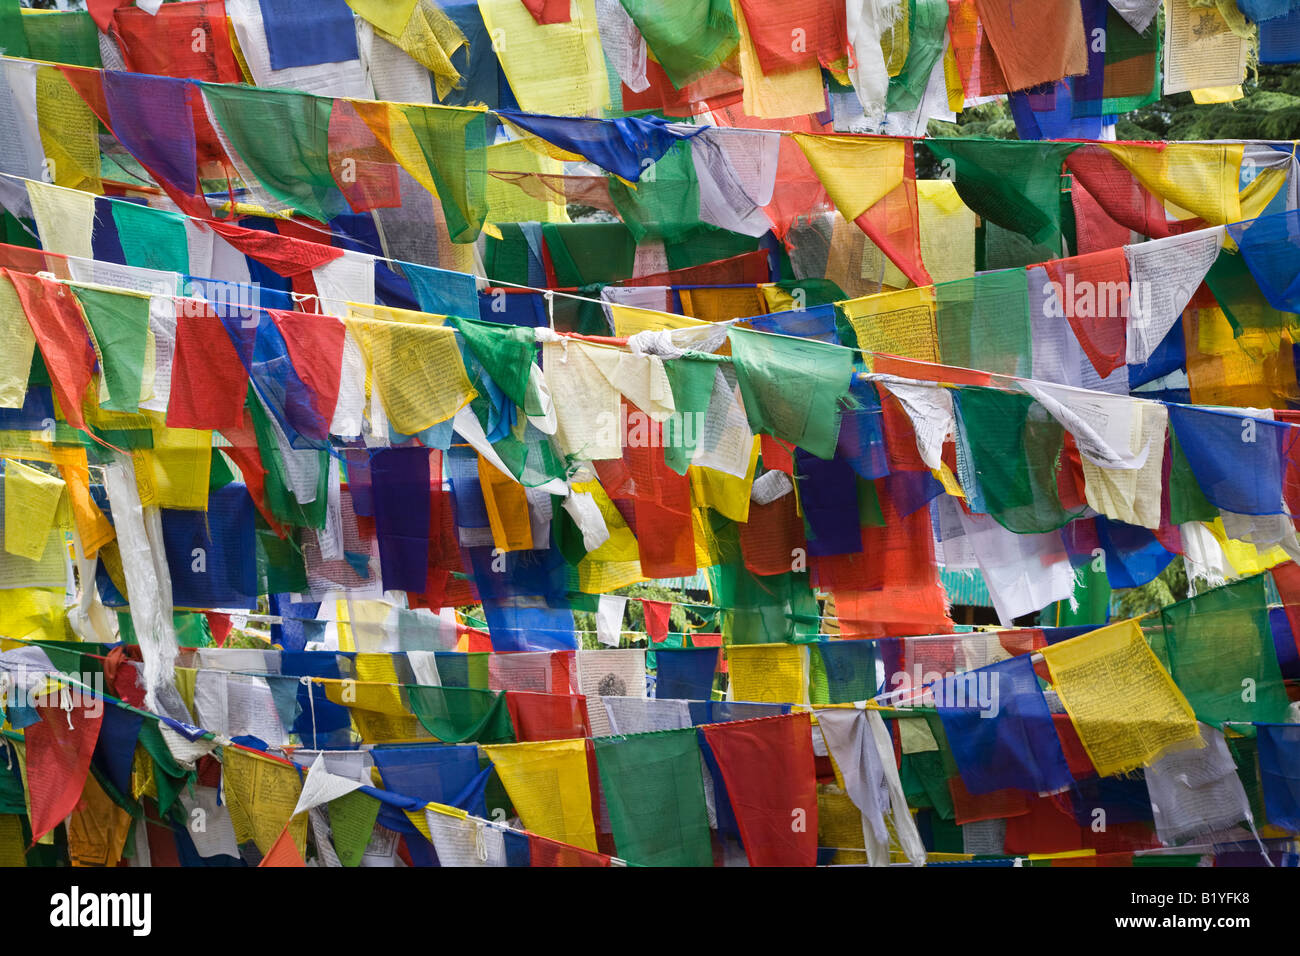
537	716
315	344
209	382
59	749
1093	292
770	773
656	619
60	329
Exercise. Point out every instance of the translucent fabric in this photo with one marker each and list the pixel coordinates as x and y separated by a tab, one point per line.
58	753
654	789
400	481
1123	75
539	716
850	668
1092	292
211	553
433	774
983	323
688	40
56	320
1269	246
549	785
294	166
1016	185
1013	447
1119	732
1221	654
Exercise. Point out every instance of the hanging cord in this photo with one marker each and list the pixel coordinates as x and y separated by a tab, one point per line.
311	704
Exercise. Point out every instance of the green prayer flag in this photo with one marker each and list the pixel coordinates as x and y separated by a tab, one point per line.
665	203
120	322
152	238
459	714
654	789
282	136
983	323
352	823
454	143
1016	185
793	389
1222	658
506	353
689	38
1014	447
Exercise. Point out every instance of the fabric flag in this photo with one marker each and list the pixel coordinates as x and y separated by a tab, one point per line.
1221	654
538	716
654	789
298	36
120	324
1035	43
315	346
1123	723
864	753
1279	768
656	618
686	673
1239	461
31	505
17	345
768	673
60	329
1017	186
284	852
295	170
793	389
548	784
1001	731
1092	292
689	39
1196	792
400	479
417	369
459	714
768	768
625	147
209	375
609	619
529	52
59	748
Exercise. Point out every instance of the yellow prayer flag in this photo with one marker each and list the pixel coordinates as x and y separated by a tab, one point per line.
896	323
175	473
1193	179
417	369
507	509
768	673
857	171
17	344
947	231
34	614
1124	705
629	320
69	132
31	502
556	68
509	202
261	794
549	786
724	493
65	218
